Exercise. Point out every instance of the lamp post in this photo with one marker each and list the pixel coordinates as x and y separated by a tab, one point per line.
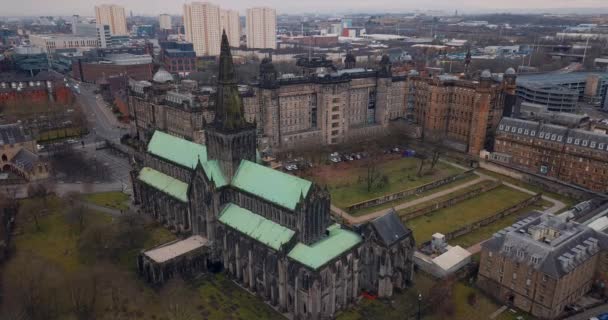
419	301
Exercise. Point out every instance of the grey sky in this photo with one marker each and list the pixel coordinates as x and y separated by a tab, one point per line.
153	7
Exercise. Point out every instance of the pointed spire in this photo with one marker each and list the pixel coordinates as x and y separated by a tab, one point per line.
227	74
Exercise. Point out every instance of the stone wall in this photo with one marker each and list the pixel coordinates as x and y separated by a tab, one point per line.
451	201
402	194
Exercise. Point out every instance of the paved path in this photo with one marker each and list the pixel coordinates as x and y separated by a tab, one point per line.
350	219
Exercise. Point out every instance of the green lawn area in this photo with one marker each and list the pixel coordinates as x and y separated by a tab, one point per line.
463	213
347	185
486	232
115	200
57	245
567	200
391	204
404	305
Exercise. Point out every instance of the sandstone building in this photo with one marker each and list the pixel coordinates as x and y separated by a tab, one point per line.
270	231
542	264
572	155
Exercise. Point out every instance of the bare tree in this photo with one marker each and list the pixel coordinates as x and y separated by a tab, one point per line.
83	290
75	215
421	165
178	300
32	210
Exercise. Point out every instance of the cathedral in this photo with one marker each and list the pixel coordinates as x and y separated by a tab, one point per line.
269	231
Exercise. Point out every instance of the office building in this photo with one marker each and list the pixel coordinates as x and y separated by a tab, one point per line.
114	16
178	57
261	28
164	21
49	42
572	155
230	22
138	67
202	26
104	36
542	264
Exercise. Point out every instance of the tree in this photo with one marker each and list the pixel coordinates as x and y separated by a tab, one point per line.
178	300
31	210
372	174
75	215
421	165
83	291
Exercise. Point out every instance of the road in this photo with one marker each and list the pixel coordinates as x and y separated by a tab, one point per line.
102	123
593	312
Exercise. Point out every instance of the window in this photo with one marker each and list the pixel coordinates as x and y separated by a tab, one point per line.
507	128
553	137
592	145
490	254
514	276
559	138
541	135
501	127
585	143
513	129
520	253
526	132
545	278
569	140
577	141
533	133
520	130
601	146
528	282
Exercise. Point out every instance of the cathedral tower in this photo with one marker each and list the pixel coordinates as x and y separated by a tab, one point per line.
230	138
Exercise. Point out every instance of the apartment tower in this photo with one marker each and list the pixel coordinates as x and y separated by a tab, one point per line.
164	21
202	25
261	28
113	16
229	21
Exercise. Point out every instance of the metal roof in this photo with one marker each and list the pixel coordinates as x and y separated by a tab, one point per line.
389	228
269	184
175	249
177	150
255	226
162	182
323	251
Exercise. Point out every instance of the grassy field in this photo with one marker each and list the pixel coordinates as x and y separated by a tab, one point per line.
465	212
404	305
568	201
58	247
347	185
391	204
115	200
486	232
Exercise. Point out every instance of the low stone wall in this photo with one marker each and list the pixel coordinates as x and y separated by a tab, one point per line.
486	221
451	201
405	193
547	183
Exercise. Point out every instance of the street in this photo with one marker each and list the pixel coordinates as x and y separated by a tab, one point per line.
594	312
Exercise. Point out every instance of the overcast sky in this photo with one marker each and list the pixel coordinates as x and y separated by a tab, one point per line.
154	7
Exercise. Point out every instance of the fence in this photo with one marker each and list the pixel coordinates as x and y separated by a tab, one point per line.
405	193
486	221
451	201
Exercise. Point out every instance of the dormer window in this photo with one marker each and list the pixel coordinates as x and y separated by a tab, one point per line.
513	129
577	141
507	128
585	143
533	133
541	135
526	132
520	130
559	138
601	146
592	145
553	137
569	140
501	127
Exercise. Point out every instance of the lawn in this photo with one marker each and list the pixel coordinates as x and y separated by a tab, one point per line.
56	247
464	213
486	232
115	199
404	305
347	185
567	200
395	203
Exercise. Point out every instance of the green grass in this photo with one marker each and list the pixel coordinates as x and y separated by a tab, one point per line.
567	200
395	203
404	305
486	232
56	243
347	186
115	200
464	213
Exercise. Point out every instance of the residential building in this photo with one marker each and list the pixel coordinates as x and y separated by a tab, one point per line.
261	28
164	21
202	26
49	42
572	155
542	264
113	16
231	23
270	231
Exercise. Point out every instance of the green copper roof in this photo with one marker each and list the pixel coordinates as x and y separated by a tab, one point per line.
167	184
273	185
214	173
255	226
178	150
321	252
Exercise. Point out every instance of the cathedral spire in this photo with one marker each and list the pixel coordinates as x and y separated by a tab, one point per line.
229	114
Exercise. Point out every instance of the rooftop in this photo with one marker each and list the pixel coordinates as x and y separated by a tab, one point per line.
323	251
164	183
175	249
183	152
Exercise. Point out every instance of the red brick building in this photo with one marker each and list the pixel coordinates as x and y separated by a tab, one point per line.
46	86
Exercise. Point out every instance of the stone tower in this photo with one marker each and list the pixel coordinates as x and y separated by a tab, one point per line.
229	138
350	61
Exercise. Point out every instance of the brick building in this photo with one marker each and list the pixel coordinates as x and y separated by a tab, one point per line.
46	86
178	57
542	264
138	67
572	155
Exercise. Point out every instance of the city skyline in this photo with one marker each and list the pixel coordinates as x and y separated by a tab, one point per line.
155	7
